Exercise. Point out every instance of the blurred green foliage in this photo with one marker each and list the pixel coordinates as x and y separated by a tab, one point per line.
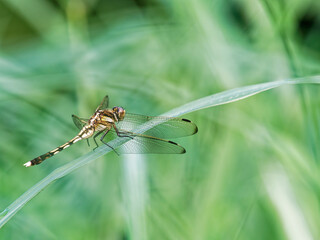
251	172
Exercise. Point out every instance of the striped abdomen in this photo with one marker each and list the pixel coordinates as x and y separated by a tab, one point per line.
47	155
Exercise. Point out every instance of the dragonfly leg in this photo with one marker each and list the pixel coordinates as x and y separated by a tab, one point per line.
101	139
94	139
121	134
88	142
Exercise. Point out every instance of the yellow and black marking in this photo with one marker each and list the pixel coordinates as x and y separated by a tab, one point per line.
47	155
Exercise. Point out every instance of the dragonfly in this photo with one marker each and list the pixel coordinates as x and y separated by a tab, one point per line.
109	123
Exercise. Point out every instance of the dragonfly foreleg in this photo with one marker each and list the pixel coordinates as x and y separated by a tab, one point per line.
122	134
101	139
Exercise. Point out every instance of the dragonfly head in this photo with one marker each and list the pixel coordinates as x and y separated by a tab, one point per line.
120	112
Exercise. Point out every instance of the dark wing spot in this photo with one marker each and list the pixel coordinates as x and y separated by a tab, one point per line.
182	149
186	120
172	142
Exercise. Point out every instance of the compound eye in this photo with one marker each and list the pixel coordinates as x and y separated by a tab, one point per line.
121	112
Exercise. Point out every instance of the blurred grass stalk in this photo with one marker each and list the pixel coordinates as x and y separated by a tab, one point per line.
53	30
284	200
134	188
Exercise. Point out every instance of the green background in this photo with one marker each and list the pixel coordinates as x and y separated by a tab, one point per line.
252	170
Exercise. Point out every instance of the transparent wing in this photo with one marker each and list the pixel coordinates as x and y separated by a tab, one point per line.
79	122
168	128
142	144
104	104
